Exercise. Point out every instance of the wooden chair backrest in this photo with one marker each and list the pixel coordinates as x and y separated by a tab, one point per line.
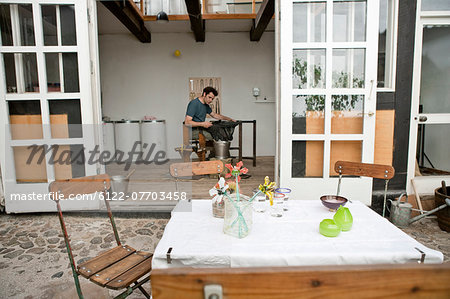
368	281
83	185
196	168
378	171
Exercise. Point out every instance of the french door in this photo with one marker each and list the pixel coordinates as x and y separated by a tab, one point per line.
46	100
428	162
328	54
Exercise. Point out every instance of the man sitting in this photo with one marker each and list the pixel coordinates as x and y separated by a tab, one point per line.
197	110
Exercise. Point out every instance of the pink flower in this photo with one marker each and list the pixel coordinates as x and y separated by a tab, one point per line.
236	170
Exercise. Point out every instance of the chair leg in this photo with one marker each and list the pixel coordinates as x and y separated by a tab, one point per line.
137	285
144	292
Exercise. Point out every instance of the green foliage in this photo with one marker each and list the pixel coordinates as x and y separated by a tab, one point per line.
317	102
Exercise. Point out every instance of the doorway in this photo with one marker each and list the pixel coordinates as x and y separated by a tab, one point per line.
429	161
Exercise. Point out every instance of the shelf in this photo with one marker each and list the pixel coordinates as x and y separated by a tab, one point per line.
262	101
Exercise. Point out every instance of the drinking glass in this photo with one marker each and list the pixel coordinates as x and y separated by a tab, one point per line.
259	203
287	193
276	210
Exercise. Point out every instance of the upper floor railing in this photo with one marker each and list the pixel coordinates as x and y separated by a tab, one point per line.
211	9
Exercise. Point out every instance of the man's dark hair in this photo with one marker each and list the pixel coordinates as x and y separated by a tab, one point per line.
209	89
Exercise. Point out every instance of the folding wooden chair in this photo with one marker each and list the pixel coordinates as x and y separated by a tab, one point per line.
187	169
377	171
117	268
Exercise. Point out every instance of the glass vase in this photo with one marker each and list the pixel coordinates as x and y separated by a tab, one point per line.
238	216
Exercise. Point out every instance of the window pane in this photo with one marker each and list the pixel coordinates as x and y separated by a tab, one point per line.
70	69
49	25
432	149
435	5
348	68
52	68
5	24
10	72
65	118
25	119
29	164
434	85
30	72
308	69
349	21
344	151
69	161
382	44
307	159
308	114
26	24
347	114
68	30
309	22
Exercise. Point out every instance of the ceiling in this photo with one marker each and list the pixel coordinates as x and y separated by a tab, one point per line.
109	24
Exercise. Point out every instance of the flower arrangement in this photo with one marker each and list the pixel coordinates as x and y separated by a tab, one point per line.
224	189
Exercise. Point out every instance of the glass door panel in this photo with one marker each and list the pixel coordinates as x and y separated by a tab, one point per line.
327	95
50	111
434	104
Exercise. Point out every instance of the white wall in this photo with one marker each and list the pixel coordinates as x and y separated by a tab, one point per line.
147	79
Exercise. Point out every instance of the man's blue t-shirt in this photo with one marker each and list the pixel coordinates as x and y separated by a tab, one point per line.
197	110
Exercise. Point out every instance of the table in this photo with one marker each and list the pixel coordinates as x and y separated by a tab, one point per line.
239	147
197	240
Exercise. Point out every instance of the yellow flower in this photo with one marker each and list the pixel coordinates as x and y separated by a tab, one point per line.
268	188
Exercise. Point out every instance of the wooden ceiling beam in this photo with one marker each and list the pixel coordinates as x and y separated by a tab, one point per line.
194	11
130	17
263	18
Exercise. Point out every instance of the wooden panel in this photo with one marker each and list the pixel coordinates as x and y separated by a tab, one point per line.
314	166
26	126
196	168
131	276
104	260
384	137
103	277
364	169
30	127
344	150
83	185
33	171
371	281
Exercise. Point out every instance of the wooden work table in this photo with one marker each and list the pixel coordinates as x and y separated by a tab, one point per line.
239	147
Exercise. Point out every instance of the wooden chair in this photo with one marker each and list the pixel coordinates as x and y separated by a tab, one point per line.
377	171
365	281
200	146
117	268
187	169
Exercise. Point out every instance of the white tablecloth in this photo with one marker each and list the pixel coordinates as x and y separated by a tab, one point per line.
197	240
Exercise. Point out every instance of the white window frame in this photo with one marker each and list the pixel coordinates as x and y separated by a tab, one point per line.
88	140
390	72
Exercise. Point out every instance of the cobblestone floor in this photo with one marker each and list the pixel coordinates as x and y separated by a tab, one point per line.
33	258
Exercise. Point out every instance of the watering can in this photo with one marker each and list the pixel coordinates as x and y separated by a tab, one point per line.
401	211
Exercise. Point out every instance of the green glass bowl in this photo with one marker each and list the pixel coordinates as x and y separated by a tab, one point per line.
329	228
343	218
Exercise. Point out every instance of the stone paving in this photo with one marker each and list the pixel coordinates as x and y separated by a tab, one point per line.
33	257
34	262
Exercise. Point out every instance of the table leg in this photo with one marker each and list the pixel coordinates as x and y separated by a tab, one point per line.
240	141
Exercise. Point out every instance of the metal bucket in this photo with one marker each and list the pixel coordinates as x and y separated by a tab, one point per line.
222	149
119	183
